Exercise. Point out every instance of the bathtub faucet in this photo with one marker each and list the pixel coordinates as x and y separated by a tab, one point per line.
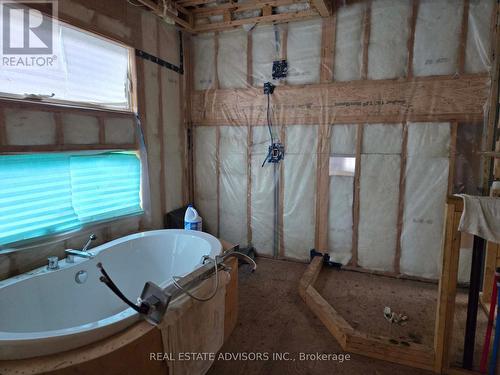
84	253
154	300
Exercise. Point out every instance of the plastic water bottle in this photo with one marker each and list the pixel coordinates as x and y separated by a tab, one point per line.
192	221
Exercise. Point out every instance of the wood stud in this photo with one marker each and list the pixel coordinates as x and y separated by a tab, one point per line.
366	39
412	24
401	199
463	38
327	48
355	203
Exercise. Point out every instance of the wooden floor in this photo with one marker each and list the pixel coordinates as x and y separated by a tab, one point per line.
273	319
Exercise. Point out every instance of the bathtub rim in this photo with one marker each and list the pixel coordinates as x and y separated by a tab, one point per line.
125	317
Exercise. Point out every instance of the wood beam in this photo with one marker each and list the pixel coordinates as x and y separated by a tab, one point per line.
239	7
282	17
191	3
442	98
159	11
447	285
351	340
323	7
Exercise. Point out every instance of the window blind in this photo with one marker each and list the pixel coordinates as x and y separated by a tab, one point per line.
87	69
43	194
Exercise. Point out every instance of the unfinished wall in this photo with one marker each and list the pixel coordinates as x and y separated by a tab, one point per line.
388	215
379	196
341	196
36	127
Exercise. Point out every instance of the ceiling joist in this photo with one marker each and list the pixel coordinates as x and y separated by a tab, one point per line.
198	16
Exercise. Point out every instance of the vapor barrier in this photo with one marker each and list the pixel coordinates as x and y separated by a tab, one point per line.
375	137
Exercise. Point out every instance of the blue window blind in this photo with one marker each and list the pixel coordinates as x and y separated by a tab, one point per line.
42	194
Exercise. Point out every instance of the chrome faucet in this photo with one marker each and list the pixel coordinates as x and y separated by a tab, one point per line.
84	253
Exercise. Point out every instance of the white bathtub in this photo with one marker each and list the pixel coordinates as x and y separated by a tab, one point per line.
44	312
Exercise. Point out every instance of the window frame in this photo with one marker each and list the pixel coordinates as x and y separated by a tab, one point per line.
6	98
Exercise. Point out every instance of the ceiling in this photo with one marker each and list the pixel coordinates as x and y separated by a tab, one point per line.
199	16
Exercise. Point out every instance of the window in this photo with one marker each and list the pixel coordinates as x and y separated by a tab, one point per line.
85	70
342	166
43	194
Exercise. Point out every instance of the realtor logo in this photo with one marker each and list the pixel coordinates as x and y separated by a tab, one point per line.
29	32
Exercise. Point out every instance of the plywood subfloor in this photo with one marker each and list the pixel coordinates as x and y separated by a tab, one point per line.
273	318
361	298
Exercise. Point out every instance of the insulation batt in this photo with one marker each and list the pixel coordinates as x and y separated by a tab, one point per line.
379	196
266	48
304	51
437	35
262	195
388	50
340	221
425	197
478	50
436	47
232	59
299	190
233	184
203	70
349	43
205	177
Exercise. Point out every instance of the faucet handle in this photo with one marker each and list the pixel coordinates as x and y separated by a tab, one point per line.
92	237
53	263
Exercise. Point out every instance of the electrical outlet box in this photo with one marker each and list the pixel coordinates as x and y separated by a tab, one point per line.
268	88
276	153
280	69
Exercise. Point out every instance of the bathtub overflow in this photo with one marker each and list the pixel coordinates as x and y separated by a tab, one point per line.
81	276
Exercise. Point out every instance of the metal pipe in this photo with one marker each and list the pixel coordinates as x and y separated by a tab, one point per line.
472	305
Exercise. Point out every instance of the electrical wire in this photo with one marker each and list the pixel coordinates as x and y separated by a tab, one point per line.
134	4
269	119
269	126
200	299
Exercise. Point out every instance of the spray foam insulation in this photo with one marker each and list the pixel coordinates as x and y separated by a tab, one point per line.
232	59
349	42
379	196
205	176
299	190
340	220
425	198
233	184
388	50
304	51
437	36
262	193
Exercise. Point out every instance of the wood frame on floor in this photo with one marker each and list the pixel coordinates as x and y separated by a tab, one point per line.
435	358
